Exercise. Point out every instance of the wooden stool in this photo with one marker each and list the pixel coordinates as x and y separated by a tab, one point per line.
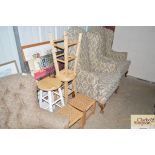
72	114
66	75
50	93
84	104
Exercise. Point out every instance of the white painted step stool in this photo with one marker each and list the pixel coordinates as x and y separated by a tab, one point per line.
50	93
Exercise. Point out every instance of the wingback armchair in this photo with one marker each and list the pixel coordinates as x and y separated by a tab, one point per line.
97	77
19	108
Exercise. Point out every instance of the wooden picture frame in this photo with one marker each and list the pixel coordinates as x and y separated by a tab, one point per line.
8	68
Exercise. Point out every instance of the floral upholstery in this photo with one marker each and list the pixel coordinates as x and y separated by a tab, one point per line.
95	78
97	60
117	58
108	36
73	35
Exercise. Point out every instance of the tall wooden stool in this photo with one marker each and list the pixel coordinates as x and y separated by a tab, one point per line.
50	93
85	104
66	75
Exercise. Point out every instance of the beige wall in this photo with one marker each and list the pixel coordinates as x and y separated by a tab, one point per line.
139	42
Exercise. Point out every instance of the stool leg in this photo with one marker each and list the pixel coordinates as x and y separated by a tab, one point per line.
94	108
74	88
84	117
61	96
40	97
66	91
53	99
82	121
50	100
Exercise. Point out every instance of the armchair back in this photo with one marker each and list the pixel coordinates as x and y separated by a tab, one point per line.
84	62
107	37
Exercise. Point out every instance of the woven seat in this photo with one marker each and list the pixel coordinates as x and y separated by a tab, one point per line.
84	104
72	114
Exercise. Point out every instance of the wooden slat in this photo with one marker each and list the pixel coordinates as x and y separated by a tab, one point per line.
61	47
61	60
59	55
58	40
72	43
77	51
58	46
71	57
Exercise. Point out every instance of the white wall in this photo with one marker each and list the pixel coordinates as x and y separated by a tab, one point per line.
35	34
139	42
8	50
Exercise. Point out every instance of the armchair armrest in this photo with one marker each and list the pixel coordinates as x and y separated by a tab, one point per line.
52	120
88	76
118	56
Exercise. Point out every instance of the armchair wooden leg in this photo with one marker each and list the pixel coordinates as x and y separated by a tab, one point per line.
126	74
102	106
116	91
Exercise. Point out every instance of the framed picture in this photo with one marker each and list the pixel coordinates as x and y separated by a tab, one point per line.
8	68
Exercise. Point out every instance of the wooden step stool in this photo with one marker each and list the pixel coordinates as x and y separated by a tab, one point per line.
84	104
72	114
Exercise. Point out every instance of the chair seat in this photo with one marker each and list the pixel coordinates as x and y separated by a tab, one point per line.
50	93
49	83
82	102
72	114
66	76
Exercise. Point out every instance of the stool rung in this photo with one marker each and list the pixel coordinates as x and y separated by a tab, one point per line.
58	40
58	46
61	60
57	93
72	43
45	100
59	105
59	55
71	57
56	101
